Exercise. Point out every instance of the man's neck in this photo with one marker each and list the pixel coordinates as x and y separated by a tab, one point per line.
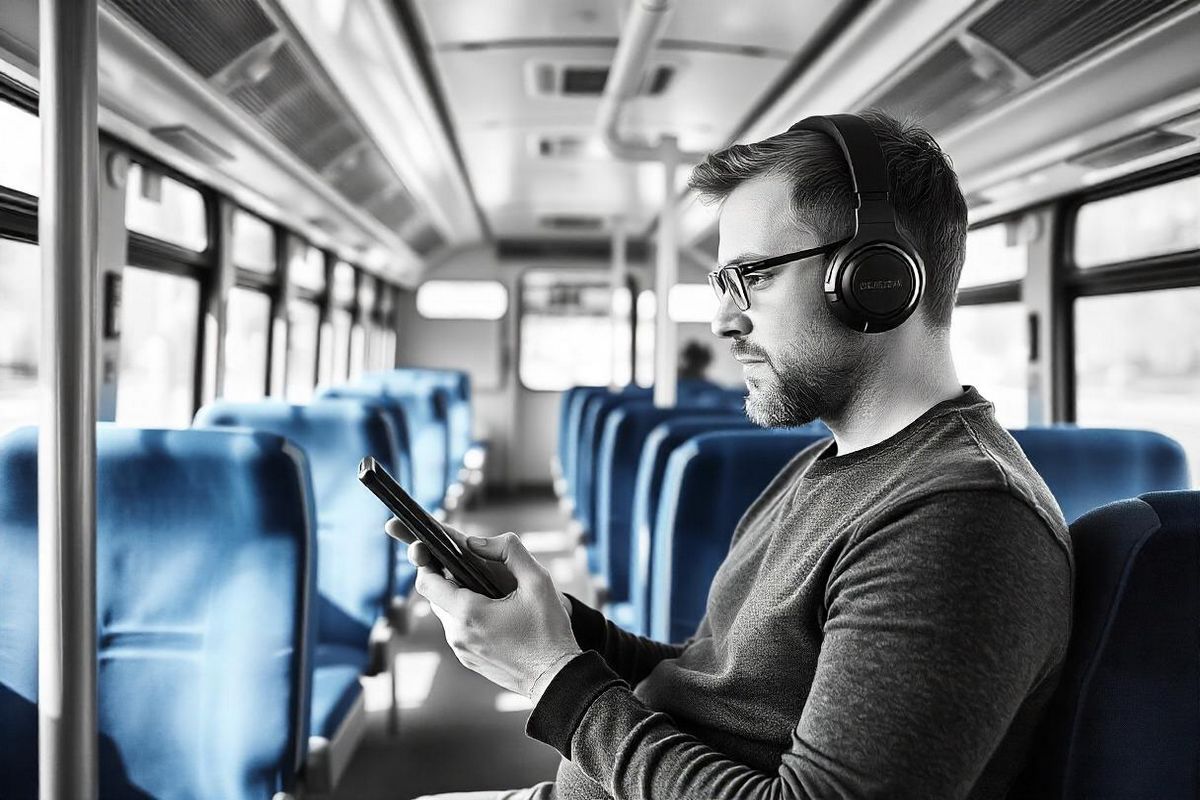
885	403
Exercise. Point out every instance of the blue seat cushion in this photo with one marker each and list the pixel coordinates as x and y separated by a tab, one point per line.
335	686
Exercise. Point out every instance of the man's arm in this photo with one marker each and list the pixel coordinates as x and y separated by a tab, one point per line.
940	623
630	656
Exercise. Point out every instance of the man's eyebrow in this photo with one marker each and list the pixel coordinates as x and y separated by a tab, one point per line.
743	258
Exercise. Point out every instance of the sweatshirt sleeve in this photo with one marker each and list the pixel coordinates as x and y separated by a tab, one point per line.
940	623
629	656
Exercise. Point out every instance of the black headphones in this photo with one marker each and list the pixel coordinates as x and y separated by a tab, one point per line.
875	280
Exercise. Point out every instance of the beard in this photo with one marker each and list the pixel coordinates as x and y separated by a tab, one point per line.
797	388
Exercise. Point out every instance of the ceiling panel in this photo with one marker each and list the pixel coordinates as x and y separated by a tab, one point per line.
487	53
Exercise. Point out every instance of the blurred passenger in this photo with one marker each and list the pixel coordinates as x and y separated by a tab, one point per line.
694	360
893	613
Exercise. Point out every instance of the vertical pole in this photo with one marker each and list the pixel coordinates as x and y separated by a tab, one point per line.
666	274
618	277
67	764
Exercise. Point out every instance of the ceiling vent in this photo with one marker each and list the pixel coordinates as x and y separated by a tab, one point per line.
571	222
1043	35
553	79
264	69
1006	49
1131	147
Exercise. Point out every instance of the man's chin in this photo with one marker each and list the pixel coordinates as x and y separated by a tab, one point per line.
766	409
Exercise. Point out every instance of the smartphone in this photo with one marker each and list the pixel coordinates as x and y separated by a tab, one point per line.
465	568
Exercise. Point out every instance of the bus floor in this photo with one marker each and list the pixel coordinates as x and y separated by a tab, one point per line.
458	731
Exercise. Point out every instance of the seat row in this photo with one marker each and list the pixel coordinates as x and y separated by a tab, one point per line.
244	585
1124	721
659	491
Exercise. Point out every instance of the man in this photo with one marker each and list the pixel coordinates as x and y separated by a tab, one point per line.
894	610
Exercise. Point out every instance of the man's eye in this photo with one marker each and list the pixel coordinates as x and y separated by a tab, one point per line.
757	279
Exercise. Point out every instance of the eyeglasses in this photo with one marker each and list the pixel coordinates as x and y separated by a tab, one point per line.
732	279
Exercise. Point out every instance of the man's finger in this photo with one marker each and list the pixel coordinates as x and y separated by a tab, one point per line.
441	592
509	550
397	530
419	555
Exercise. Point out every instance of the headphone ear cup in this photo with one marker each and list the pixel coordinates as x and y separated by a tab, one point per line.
874	287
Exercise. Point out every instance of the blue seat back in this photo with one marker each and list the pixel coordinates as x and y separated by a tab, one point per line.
567	403
1088	467
1125	720
709	483
452	390
205	562
625	432
354	573
652	464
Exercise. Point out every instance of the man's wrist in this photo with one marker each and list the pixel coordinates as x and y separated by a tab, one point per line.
538	687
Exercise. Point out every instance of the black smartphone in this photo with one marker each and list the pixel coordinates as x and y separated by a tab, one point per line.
464	567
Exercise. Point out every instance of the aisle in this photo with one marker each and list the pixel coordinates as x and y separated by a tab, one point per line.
458	731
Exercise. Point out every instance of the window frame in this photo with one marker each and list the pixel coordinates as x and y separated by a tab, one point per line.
18	210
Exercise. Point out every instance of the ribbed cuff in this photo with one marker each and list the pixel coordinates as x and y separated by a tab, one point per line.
587	624
567	698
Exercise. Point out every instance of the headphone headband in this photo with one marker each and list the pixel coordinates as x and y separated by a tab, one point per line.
860	148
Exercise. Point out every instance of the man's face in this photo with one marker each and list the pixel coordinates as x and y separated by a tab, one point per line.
799	362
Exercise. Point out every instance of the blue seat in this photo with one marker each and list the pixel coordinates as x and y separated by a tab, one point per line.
451	390
1125	720
625	431
652	464
205	564
354	573
568	402
576	410
1088	467
709	483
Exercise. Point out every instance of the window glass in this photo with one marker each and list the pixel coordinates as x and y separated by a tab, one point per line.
21	155
160	317
644	361
248	321
990	344
20	332
253	243
343	322
622	332
462	300
566	330
1150	222
303	324
343	284
165	209
308	268
692	302
358	351
1137	364
366	295
995	254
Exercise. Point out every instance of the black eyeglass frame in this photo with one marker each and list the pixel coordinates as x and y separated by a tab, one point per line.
733	276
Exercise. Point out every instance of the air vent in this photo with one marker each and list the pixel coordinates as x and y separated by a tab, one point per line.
587	80
1127	149
1042	35
571	222
247	58
207	40
948	86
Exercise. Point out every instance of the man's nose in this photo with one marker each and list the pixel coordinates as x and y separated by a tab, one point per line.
730	320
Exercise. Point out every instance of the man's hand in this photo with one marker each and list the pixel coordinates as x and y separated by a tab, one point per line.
518	642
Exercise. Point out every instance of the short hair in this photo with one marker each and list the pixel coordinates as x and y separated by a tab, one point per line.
930	209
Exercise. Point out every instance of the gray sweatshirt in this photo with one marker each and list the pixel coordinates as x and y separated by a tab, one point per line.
889	623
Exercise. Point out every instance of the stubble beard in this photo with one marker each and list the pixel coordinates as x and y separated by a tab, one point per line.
793	395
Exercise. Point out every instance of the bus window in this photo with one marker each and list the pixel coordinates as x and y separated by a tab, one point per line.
165	209
160	315
994	255
1156	221
990	345
248	319
644	358
20	333
462	300
566	331
343	322
1137	364
303	324
21	155
692	302
307	269
253	243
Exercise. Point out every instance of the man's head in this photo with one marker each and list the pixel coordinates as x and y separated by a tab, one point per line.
792	192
